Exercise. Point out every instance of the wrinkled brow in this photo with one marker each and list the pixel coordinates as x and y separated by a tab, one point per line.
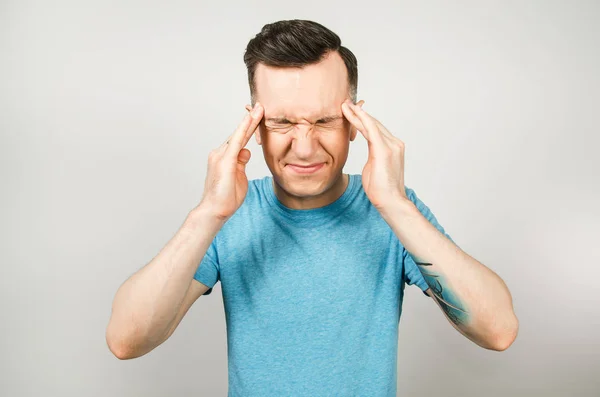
283	120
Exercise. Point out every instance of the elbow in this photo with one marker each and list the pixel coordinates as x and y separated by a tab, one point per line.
503	339
117	348
129	345
118	345
121	354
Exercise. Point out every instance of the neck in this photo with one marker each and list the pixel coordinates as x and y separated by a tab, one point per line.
304	203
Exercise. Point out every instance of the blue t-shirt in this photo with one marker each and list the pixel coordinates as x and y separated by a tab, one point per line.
312	297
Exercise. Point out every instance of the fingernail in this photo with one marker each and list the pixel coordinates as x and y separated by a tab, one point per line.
256	110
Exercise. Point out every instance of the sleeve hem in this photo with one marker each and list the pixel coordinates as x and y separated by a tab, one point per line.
203	279
207	274
423	285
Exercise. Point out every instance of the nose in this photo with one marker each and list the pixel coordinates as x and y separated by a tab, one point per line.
305	142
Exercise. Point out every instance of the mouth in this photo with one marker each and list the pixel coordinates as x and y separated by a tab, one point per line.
305	169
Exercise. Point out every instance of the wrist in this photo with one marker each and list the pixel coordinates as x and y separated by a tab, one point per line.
202	216
400	208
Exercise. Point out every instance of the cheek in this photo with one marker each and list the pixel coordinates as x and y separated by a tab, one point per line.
335	141
337	150
274	146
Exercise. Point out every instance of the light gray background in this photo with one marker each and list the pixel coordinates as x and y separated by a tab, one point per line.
108	112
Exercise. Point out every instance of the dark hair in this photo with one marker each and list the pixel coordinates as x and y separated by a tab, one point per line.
296	43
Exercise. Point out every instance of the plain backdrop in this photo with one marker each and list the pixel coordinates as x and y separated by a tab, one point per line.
109	109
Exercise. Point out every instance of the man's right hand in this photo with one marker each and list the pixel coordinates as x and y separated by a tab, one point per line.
226	182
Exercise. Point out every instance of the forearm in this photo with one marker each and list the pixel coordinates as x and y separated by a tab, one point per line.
146	305
473	297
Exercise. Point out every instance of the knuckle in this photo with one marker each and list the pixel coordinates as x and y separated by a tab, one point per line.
213	156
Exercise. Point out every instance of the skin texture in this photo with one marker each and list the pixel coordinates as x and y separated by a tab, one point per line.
296	102
474	299
449	303
303	124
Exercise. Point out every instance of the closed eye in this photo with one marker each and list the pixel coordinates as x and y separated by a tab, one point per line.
330	122
278	124
283	123
328	119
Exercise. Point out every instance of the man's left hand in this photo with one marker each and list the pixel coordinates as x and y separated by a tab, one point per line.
383	175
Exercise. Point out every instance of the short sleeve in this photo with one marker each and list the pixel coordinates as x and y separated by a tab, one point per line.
208	271
412	274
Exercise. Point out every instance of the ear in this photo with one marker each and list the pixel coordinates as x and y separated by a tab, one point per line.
353	130
257	132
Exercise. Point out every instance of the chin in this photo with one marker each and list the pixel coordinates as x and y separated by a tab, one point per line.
308	185
303	189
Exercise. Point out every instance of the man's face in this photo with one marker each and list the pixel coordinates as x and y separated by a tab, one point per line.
303	124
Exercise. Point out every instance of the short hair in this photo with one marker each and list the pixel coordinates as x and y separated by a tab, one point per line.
296	43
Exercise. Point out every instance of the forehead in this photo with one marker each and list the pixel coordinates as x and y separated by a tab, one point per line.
296	93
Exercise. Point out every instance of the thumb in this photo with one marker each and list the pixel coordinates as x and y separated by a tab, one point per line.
244	156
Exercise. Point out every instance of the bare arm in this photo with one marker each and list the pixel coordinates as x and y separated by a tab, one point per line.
473	297
196	290
149	305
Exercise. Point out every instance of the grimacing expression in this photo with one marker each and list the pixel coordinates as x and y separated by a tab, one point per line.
303	123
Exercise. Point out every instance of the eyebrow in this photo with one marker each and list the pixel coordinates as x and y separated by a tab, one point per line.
283	120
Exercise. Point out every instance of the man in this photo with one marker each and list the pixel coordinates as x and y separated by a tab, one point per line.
312	261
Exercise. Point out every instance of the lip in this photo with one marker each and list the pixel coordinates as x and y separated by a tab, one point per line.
306	170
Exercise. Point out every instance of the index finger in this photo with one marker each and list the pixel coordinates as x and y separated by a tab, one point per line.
349	113
374	135
242	135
